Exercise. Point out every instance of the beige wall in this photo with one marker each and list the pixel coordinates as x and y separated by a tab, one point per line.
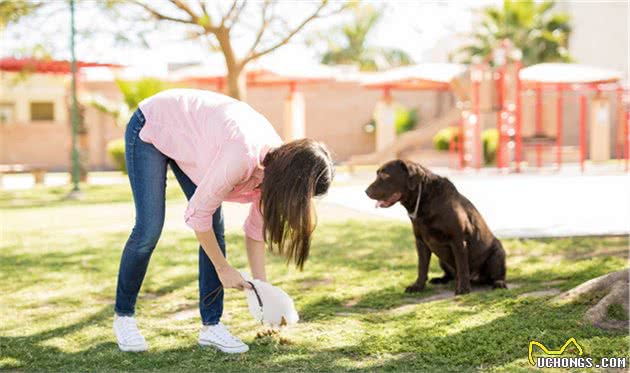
48	143
22	90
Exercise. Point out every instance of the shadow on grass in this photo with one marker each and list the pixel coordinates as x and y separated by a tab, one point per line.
384	299
414	347
40	196
498	342
450	338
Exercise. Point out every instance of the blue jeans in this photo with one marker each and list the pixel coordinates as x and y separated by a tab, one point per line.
147	174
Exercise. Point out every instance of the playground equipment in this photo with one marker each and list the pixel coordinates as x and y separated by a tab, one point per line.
529	108
568	84
433	77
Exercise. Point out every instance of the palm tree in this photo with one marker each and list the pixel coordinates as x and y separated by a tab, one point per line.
347	44
132	93
539	33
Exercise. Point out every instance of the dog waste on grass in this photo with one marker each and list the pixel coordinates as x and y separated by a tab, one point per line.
272	337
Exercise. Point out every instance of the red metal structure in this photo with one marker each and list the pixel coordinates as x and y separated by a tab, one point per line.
41	66
257	76
438	77
566	82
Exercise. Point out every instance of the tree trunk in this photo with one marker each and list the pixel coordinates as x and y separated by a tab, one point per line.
237	84
610	290
236	79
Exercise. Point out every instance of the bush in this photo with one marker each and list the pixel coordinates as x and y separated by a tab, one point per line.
490	139
116	151
135	91
442	139
405	119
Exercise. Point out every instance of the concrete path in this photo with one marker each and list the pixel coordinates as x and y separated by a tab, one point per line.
524	205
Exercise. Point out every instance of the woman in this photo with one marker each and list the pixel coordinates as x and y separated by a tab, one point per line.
219	149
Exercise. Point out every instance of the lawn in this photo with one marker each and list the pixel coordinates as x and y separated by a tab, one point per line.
59	260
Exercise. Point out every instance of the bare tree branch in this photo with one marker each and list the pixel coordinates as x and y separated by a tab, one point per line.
228	14
183	6
261	30
202	5
162	16
316	14
237	14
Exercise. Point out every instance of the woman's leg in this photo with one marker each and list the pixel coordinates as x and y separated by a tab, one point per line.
210	291
146	167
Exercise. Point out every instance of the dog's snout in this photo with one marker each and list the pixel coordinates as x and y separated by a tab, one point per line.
368	191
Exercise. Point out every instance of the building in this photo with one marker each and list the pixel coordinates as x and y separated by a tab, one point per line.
35	127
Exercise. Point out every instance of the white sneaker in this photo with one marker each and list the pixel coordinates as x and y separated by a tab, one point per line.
219	337
128	335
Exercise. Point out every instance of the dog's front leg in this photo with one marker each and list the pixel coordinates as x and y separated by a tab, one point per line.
462	271
424	257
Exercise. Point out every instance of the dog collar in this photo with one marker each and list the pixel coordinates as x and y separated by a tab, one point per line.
415	211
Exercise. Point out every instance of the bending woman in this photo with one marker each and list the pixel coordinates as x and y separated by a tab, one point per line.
219	149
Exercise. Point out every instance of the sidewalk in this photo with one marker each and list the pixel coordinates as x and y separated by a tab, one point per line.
524	205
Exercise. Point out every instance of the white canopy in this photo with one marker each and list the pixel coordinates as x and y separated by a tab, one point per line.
427	73
567	73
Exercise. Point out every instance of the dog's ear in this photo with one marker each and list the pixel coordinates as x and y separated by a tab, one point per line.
414	173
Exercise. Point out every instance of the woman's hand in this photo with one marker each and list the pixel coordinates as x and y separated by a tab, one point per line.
231	278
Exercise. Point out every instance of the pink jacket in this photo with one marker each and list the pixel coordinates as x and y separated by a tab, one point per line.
219	143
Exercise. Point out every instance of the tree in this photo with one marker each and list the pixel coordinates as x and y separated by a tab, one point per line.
219	23
12	10
348	43
609	293
540	34
271	32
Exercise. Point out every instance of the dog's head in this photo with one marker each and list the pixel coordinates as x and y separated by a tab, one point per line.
394	180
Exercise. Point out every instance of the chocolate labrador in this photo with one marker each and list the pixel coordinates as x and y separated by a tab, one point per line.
445	223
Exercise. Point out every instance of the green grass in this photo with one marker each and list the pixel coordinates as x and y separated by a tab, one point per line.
59	260
616	312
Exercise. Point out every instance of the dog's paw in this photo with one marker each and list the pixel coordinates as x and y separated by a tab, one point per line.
461	290
414	288
499	285
440	280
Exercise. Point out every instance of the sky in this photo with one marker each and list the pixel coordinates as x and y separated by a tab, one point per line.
424	29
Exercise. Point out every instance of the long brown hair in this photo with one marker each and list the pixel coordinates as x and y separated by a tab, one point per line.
294	174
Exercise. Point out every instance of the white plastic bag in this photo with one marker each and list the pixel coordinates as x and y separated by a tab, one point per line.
269	304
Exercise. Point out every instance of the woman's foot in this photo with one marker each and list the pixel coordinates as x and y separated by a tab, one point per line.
128	335
219	337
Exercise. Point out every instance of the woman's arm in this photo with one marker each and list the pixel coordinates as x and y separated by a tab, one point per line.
256	258
230	278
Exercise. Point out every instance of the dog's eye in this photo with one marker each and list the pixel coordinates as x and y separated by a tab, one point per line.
384	176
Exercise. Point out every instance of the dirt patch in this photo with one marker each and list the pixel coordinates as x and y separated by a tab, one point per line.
345	313
149	296
186	314
414	302
620	252
541	293
311	283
